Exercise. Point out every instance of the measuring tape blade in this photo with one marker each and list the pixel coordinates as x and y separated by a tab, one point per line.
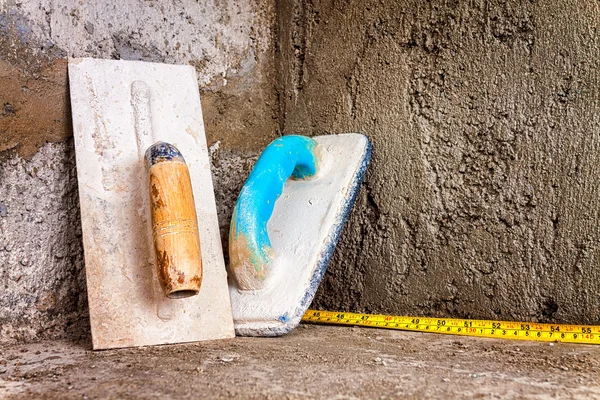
583	334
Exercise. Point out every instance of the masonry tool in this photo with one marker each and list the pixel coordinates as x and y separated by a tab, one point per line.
120	109
283	231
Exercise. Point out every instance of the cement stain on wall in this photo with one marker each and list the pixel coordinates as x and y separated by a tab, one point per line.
482	196
34	110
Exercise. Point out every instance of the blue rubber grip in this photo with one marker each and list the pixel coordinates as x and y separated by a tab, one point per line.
250	250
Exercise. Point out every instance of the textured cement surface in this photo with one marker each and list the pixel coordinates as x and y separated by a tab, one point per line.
42	279
482	195
480	201
313	362
41	257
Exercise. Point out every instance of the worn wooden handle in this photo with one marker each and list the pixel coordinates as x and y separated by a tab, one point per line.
174	222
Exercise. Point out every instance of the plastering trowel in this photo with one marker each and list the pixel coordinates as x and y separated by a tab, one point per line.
153	256
283	231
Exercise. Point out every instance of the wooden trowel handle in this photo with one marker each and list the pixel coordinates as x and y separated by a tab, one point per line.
174	222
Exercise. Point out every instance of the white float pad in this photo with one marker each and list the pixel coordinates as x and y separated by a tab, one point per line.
127	305
303	229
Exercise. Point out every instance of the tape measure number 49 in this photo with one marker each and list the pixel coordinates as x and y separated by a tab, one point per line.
583	334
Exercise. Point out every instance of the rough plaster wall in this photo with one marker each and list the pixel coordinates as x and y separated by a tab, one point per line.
482	195
42	278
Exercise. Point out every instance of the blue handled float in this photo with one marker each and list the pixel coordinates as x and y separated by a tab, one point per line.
270	292
250	249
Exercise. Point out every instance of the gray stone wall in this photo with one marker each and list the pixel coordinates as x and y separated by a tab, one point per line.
482	198
42	275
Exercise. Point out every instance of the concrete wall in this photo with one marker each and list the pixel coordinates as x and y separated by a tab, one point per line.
481	199
42	278
482	195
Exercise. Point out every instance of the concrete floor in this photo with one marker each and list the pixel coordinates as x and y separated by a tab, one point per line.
311	362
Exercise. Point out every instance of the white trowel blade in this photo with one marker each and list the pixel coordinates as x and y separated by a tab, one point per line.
112	131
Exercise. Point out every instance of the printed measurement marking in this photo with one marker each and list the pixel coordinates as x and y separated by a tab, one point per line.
583	334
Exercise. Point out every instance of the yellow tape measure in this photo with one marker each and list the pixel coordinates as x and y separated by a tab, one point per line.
583	334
